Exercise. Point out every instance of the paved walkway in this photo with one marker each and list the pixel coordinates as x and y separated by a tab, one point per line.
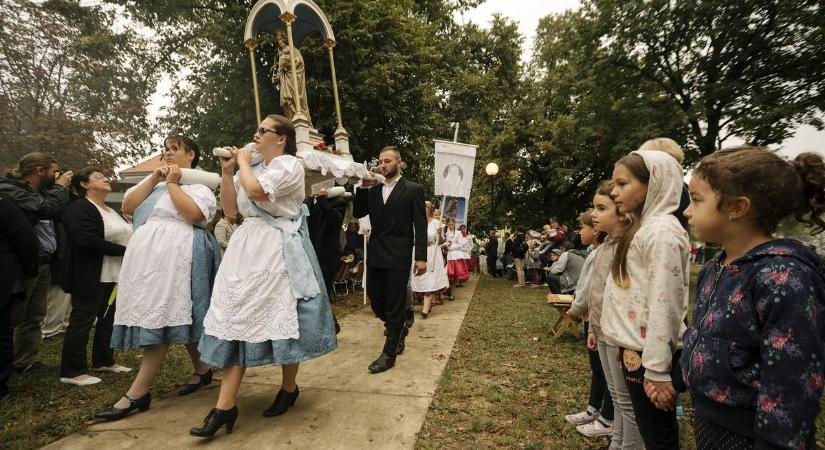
341	404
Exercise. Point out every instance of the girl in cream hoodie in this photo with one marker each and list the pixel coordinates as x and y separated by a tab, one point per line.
645	298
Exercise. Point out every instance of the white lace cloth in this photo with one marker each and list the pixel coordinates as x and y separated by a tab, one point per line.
341	168
154	288
252	300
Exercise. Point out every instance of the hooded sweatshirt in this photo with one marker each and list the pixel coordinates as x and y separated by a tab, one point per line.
590	293
648	316
755	355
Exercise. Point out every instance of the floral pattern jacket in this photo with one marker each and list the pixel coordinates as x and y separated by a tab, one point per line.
753	358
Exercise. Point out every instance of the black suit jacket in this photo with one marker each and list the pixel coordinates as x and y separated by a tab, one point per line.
491	248
85	248
325	220
18	249
398	227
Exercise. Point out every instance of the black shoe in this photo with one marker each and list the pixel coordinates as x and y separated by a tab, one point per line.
203	380
337	327
34	367
282	402
402	341
215	420
409	316
424	314
382	364
140	404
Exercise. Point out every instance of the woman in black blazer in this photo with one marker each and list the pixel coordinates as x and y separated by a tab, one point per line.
18	259
95	244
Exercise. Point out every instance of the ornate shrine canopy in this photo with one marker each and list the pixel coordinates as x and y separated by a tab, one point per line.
265	17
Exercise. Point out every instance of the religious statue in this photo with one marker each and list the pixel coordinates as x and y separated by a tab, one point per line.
282	76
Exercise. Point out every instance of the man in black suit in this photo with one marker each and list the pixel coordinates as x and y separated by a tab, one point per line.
491	251
399	226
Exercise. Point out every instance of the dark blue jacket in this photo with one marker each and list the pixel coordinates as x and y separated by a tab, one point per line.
753	358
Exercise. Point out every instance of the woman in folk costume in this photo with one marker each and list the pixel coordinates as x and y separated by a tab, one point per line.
435	278
269	305
167	273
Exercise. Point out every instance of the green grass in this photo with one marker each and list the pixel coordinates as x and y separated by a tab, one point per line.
41	410
508	384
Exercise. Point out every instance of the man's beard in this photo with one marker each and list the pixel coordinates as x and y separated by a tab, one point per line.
47	183
391	173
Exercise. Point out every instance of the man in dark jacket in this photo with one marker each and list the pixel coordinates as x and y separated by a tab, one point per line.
491	251
18	258
325	220
355	242
507	256
399	226
36	189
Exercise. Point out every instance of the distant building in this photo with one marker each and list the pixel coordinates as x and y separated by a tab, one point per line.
130	177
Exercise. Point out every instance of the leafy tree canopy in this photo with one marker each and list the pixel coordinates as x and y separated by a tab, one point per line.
70	85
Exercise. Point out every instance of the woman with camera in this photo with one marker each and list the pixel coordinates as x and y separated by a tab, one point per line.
96	238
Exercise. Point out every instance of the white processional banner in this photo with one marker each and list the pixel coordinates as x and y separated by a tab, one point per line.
454	163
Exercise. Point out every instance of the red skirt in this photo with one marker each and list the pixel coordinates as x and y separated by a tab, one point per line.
472	264
457	270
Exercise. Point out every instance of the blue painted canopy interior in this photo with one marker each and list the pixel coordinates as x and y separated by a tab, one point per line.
268	21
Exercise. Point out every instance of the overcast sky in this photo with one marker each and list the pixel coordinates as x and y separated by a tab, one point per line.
528	12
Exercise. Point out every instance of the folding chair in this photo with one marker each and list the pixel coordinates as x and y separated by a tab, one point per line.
562	303
341	274
356	276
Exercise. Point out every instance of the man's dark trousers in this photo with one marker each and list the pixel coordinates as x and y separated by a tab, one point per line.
387	289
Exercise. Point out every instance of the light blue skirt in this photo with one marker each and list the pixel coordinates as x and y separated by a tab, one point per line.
317	337
316	328
206	257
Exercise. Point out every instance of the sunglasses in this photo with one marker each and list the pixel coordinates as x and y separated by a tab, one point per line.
263	131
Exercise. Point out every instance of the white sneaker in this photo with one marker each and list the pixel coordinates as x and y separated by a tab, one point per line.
595	429
581	418
86	381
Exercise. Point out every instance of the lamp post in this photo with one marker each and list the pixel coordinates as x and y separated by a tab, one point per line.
492	171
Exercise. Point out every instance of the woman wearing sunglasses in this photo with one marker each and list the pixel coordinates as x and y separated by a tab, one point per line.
269	304
167	273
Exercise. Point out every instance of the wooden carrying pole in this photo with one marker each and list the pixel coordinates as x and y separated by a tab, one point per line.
250	45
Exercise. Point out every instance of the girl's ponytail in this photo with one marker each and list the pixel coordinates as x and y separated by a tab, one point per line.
811	170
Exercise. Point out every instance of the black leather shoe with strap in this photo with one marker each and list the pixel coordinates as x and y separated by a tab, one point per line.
203	380
140	404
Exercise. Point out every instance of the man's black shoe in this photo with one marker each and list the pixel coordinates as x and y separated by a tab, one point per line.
382	364
33	367
402	341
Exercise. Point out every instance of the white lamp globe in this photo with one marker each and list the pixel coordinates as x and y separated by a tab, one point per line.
491	169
